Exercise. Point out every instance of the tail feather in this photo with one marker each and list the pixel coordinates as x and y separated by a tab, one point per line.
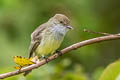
34	59
27	72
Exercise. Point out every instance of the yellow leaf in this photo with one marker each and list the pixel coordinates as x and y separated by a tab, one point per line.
22	61
31	58
17	67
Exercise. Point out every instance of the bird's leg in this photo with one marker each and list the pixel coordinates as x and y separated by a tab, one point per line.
59	53
46	59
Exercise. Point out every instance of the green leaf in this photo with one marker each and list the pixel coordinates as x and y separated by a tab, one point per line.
111	72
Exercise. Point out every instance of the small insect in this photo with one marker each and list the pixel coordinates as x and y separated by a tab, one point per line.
22	61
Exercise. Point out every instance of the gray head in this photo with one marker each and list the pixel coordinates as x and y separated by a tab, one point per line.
61	20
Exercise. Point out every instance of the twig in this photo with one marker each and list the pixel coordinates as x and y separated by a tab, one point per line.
101	33
105	34
68	49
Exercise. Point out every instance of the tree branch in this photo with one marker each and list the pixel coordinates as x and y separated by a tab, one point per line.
68	49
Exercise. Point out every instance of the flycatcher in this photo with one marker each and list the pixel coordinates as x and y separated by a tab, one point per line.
47	38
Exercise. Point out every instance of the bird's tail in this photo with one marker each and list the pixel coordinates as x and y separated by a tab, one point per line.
34	59
27	72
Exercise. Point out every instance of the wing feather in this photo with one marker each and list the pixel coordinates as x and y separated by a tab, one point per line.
36	37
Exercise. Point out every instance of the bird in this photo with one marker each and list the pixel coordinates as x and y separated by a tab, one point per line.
47	38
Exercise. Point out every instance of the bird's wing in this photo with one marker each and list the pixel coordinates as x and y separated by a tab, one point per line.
33	46
36	37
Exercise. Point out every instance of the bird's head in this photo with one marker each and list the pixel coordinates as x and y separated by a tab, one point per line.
61	21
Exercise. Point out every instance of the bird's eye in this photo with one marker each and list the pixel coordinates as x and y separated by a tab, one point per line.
61	21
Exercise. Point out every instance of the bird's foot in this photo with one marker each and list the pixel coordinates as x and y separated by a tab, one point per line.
59	53
46	59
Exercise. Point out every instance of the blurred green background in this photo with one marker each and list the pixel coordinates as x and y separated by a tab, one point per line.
18	18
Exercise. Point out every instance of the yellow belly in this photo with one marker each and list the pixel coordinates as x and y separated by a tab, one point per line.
48	46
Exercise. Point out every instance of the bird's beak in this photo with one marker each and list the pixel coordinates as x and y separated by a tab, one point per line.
69	27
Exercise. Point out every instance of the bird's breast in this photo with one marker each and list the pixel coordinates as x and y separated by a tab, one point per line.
49	43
